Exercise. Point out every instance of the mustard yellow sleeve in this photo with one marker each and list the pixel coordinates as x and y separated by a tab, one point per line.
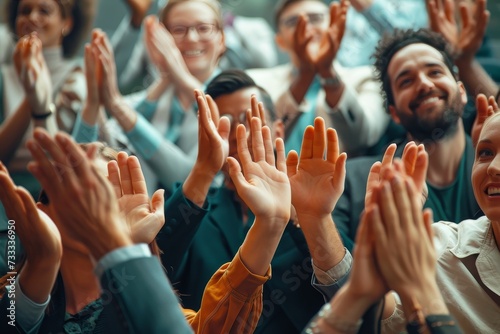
232	301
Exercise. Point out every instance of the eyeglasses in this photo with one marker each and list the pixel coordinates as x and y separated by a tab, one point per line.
205	31
240	119
315	19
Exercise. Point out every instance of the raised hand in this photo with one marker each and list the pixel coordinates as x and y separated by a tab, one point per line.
168	59
466	40
107	80
213	134
331	39
144	217
265	189
398	221
317	183
415	161
40	238
33	73
263	185
485	107
366	283
84	200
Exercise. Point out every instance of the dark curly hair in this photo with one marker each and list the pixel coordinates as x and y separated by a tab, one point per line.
390	44
81	11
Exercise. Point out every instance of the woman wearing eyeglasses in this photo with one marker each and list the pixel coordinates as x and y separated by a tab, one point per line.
185	47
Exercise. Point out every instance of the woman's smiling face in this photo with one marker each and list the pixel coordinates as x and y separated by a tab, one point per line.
201	53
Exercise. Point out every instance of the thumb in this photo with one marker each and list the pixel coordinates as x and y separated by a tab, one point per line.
235	173
157	201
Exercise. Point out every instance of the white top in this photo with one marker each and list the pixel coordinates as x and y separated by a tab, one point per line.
466	300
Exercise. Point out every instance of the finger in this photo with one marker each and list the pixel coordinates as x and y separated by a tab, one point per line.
136	176
334	9
306	151
125	177
242	145
114	177
158	202
449	10
409	157
292	162
481	107
379	237
235	174
214	110
389	155
262	113
319	140
257	140
30	210
76	157
405	201
374	174
63	169
421	165
415	218
332	153
339	173
224	128
281	162
204	115
388	209
362	236
428	221
465	15
268	145
493	103
254	106
8	196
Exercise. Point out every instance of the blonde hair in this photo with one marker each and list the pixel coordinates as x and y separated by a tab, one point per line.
213	4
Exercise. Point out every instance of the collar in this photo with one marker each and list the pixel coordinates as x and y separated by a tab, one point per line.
476	237
473	236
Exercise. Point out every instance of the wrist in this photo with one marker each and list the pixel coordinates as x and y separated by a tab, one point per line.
45	113
99	248
126	117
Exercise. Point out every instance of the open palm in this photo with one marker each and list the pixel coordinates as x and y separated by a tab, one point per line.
317	183
263	185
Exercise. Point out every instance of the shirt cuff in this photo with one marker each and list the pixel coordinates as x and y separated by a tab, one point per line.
332	275
29	314
84	132
145	138
120	255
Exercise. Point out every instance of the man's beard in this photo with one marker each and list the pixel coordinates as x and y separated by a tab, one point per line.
434	127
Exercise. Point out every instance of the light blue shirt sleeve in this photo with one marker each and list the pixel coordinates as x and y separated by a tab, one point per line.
29	315
83	132
147	108
385	15
145	138
120	255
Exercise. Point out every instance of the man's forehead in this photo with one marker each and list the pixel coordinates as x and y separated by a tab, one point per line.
414	55
236	102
